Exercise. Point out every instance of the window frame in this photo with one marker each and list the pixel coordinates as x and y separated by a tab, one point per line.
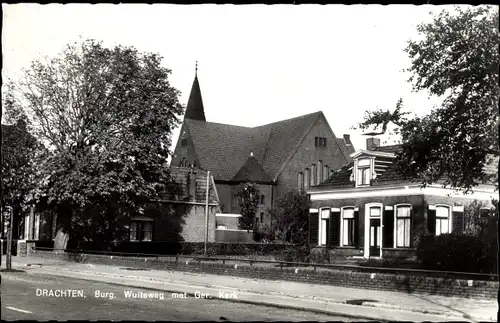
410	217
342	227
321	224
449	218
140	230
363	172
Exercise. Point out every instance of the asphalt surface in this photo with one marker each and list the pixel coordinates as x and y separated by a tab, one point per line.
27	296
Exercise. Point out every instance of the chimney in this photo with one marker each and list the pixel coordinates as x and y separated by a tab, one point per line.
347	139
372	142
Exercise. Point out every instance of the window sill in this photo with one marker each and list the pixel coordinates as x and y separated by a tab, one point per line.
400	248
346	247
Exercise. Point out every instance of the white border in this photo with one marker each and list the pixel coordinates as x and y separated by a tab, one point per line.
366	251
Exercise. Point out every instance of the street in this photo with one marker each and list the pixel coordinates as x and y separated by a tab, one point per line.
31	296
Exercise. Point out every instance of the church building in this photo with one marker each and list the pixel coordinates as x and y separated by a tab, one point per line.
295	153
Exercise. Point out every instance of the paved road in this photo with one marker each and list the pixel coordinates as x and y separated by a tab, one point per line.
20	302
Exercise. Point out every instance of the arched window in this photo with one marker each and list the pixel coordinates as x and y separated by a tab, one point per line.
300	181
307	178
326	173
319	178
314	175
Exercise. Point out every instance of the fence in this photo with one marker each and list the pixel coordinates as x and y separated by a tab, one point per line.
283	264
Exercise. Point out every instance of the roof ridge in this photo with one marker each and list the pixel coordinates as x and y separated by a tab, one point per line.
289	119
218	123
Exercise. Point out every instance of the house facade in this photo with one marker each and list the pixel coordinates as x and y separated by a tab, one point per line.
182	216
285	155
367	209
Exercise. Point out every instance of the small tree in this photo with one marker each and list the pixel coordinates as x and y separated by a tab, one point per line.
248	200
290	217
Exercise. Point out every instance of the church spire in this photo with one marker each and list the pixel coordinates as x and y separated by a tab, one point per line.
194	109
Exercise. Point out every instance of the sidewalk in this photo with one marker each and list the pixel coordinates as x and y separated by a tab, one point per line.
380	305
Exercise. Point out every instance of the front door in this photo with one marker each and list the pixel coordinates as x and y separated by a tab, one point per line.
375	237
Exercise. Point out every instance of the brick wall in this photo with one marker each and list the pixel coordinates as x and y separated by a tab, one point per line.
345	278
194	224
307	154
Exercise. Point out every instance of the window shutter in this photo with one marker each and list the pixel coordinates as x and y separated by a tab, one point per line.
313	228
388	229
335	229
458	222
411	227
356	228
431	220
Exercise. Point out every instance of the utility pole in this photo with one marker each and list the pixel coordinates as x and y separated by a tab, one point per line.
206	211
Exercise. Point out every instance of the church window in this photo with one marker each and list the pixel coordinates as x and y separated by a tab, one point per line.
184	142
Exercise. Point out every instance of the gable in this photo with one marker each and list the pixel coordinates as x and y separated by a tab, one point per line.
223	149
185	151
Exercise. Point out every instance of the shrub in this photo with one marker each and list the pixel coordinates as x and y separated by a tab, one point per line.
294	254
322	257
455	252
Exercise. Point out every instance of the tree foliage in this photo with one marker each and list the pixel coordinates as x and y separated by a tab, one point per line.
291	217
106	115
457	58
20	154
248	200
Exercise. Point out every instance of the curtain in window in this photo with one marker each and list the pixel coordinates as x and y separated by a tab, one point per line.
442	220
348	227
148	231
403	221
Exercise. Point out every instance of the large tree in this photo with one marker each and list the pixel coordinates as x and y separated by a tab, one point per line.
456	58
106	115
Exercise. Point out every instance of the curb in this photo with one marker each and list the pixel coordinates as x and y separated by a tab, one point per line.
259	303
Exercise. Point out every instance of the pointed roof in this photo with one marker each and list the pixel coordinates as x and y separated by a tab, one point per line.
251	171
194	109
224	148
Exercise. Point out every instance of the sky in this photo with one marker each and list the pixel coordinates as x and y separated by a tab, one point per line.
257	64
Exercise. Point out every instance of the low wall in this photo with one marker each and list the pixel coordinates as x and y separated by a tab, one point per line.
335	277
233	236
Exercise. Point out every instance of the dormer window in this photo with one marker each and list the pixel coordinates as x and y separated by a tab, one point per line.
363	175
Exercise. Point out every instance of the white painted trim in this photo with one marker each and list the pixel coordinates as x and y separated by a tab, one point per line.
341	243
450	216
395	223
320	224
389	208
238	230
366	251
313	210
432	207
335	209
356	209
228	215
458	208
398	191
371	153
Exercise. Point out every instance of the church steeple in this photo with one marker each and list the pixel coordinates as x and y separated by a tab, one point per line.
194	109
